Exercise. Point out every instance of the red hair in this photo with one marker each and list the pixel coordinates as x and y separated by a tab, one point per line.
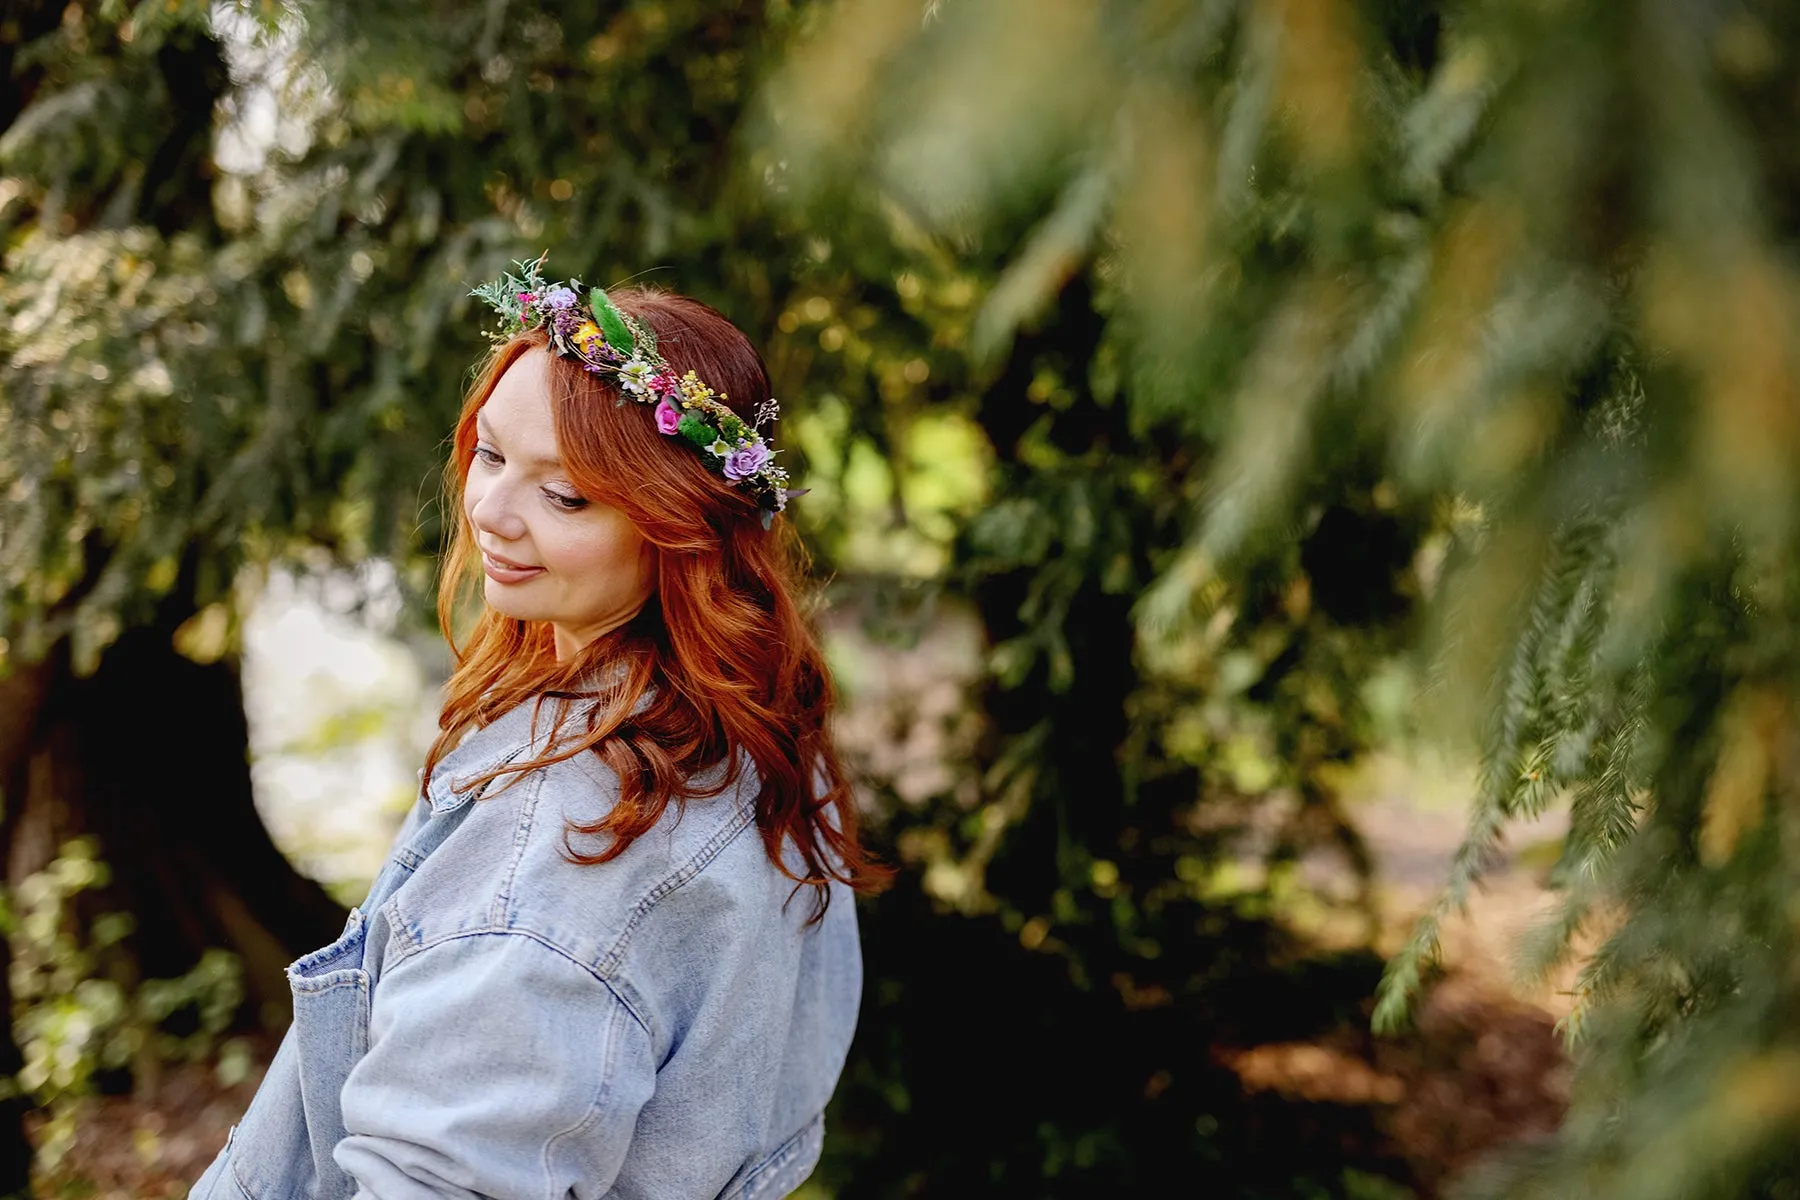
731	668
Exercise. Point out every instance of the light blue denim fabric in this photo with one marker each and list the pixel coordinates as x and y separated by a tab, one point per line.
497	1021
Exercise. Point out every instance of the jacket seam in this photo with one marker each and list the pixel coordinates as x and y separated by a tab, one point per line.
497	913
608	964
417	948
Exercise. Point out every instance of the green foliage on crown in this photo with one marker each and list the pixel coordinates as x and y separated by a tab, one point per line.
504	294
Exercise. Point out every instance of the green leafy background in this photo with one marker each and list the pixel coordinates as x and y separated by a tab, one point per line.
1269	380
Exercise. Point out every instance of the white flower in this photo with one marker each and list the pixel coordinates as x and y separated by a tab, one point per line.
635	375
720	447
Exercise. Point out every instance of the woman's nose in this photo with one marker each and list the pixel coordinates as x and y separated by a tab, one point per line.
494	512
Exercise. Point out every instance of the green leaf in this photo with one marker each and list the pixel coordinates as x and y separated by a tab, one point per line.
612	323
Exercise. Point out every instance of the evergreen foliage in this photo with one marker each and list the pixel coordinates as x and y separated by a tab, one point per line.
1540	259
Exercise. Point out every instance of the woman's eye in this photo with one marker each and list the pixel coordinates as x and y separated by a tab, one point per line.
566	503
488	456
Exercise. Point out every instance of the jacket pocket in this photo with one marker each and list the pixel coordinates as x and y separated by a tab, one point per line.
218	1183
331	1031
283	1146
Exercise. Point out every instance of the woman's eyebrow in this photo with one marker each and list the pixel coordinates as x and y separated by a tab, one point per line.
481	427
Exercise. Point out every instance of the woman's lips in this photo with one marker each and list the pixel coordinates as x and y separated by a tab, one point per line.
501	572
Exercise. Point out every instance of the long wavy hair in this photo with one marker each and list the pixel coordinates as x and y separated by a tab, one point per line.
721	656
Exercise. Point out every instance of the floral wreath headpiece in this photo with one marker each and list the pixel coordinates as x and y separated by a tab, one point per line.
584	324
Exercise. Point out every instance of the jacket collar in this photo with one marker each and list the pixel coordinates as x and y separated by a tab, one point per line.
510	737
506	738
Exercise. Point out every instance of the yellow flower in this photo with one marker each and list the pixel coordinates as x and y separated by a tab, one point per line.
693	392
586	332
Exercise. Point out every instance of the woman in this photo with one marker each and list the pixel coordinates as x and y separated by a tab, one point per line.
614	951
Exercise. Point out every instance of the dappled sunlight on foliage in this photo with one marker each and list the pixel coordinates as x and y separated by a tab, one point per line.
81	1015
1199	400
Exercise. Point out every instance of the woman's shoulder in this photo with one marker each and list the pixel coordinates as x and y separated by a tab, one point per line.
708	840
511	866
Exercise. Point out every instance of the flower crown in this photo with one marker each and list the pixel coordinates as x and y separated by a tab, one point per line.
587	326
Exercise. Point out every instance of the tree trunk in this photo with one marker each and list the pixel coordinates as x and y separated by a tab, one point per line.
149	756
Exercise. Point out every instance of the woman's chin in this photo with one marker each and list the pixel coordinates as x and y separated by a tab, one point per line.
503	598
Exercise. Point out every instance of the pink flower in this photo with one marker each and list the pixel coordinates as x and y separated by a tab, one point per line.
667	419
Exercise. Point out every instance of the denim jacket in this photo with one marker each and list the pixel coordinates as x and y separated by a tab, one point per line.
497	1021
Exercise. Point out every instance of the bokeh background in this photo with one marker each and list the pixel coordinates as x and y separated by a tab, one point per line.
1303	497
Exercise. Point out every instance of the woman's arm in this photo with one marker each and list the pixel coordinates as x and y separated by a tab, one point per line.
497	1067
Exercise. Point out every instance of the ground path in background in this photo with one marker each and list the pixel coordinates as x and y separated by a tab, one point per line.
1484	1065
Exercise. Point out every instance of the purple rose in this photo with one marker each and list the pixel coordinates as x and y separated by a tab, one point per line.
559	297
668	420
742	464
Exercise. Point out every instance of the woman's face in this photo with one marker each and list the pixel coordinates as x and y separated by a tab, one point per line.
549	553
